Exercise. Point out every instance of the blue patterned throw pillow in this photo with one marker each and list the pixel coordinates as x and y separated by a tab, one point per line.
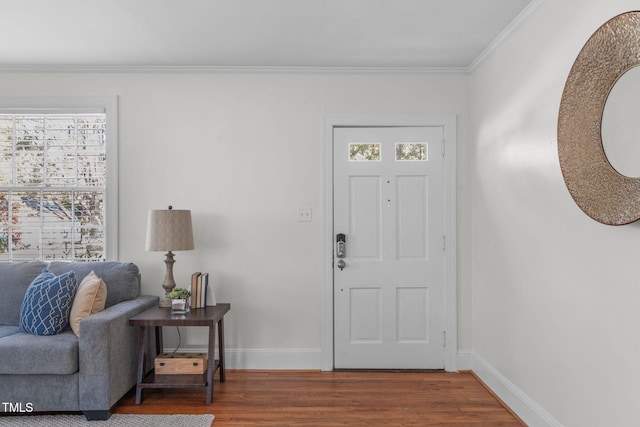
47	303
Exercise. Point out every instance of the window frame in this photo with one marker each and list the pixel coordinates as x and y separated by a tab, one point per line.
80	104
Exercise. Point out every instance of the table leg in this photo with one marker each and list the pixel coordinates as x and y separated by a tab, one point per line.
140	365
210	361
159	344
221	348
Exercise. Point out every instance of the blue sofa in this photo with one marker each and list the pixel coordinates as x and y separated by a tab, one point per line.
64	372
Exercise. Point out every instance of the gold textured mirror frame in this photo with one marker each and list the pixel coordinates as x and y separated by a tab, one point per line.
599	190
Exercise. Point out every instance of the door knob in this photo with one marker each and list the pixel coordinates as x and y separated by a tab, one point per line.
341	264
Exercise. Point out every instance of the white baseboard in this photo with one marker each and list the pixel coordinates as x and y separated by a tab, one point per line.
273	359
528	410
292	359
464	360
276	359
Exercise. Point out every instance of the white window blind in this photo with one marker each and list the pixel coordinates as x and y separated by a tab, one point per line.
53	185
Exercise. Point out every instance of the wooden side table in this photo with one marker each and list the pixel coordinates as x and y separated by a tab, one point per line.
161	316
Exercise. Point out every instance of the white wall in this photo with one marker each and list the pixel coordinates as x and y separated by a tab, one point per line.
243	152
550	299
555	294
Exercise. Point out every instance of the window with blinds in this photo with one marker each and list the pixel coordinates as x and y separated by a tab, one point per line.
53	183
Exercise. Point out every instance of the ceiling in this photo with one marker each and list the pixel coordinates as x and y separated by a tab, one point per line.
341	34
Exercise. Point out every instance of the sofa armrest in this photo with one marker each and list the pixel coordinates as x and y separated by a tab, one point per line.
108	353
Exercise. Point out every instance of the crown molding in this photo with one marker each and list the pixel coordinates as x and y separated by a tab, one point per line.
71	68
526	12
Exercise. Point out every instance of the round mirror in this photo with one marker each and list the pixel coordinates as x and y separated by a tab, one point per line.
621	124
610	196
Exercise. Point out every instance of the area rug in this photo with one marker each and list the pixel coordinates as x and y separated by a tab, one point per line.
116	420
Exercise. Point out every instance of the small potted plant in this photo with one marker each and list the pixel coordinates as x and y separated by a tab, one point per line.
179	300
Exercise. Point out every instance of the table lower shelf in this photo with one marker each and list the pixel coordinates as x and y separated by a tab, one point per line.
153	380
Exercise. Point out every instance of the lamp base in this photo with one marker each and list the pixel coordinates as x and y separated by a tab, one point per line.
169	283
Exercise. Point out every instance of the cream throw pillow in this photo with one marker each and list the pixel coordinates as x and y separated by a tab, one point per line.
91	298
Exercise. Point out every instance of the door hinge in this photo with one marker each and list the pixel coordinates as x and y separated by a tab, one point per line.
444	243
443	147
444	338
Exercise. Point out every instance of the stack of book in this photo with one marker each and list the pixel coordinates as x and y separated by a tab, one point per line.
199	289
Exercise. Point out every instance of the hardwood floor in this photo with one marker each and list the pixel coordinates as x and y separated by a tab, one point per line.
295	398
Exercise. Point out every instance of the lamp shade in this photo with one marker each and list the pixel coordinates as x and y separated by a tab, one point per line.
169	230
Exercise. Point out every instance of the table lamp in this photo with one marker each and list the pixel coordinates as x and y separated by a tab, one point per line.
169	230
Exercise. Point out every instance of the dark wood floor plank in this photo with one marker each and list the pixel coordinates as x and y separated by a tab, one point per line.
312	398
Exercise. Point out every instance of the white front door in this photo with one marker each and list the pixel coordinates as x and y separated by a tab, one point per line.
389	204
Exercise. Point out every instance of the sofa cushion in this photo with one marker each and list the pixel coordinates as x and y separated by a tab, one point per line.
24	353
15	278
6	330
47	303
90	299
122	279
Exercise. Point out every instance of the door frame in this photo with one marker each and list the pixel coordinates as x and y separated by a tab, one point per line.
448	121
